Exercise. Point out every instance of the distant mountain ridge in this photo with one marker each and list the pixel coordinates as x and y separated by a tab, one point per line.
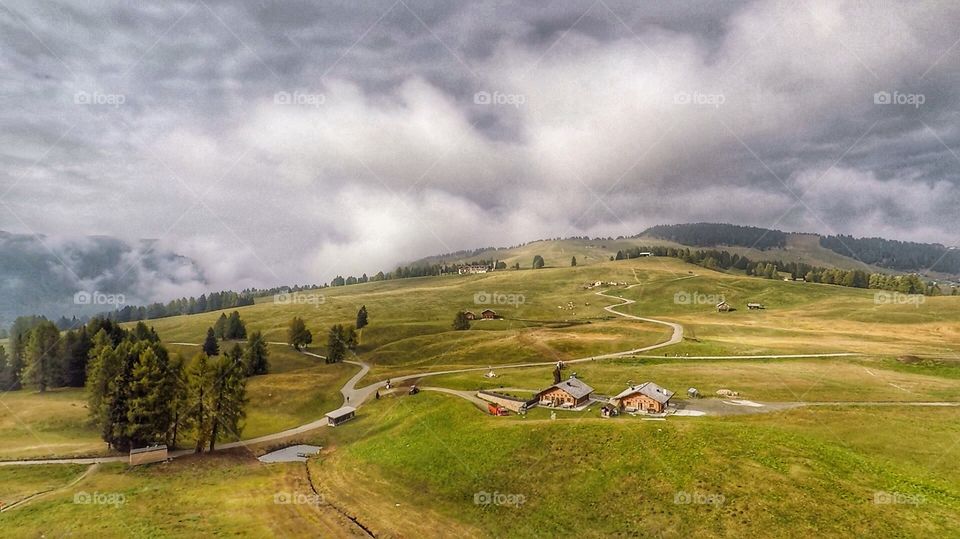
83	275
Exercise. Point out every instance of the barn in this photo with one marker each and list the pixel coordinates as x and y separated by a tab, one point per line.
647	397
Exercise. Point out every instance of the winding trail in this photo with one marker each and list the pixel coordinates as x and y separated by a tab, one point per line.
357	396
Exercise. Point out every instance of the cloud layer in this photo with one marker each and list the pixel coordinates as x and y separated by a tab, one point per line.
292	141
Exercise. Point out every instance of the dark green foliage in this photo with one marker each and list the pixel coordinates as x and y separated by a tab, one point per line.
537	262
298	335
461	322
338	343
713	234
210	346
256	355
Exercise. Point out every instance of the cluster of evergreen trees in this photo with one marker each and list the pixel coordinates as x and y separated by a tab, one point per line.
708	234
40	357
138	393
897	255
724	260
230	328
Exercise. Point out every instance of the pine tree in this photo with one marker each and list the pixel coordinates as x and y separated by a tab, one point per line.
178	384
149	409
256	355
235	327
6	377
43	358
201	379
573	262
220	328
336	344
210	346
537	262
229	395
362	322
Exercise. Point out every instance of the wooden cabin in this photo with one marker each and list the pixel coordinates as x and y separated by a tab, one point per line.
647	397
571	393
341	415
148	455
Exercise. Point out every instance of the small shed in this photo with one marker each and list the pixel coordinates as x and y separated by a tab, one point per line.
755	306
724	307
148	455
341	415
470	315
693	393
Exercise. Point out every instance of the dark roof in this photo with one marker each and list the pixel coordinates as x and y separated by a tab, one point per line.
343	411
649	389
574	386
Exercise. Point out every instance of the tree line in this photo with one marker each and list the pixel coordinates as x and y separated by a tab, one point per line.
894	254
708	234
725	260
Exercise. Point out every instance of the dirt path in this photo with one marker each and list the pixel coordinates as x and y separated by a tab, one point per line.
357	396
33	497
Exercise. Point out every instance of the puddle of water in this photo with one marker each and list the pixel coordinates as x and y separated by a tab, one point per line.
294	453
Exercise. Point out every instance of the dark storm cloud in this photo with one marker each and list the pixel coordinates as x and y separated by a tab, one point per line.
293	140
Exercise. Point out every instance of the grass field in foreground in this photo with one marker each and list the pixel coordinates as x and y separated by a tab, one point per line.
416	466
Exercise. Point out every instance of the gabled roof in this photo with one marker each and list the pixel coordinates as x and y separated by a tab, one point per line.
574	386
649	389
488	311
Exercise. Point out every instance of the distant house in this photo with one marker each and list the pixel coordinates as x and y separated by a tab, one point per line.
470	315
473	268
646	397
723	307
341	415
489	314
754	306
570	393
645	254
147	455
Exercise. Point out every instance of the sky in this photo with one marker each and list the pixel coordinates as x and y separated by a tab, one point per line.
278	142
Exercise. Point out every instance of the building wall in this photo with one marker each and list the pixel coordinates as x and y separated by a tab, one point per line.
641	402
560	396
148	457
